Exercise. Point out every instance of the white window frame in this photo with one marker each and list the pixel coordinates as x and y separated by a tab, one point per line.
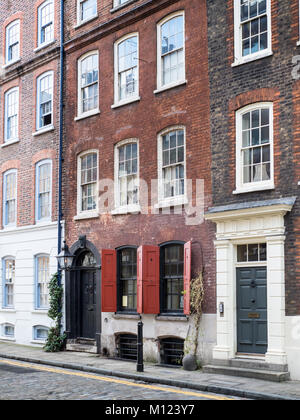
38	304
9	92
38	218
136	97
38	97
40	8
8	225
129	208
35	328
86	214
4	297
253	186
238	55
82	21
160	85
119	3
7	45
3	335
179	199
80	113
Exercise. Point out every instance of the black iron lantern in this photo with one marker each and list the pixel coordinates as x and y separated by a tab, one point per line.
65	258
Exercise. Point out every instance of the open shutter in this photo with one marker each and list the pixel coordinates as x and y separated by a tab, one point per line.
139	285
187	277
109	280
148	280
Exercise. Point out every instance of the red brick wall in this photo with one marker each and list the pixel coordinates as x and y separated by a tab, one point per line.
186	105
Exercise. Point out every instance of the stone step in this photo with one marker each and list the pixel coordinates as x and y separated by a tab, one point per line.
82	348
256	364
265	375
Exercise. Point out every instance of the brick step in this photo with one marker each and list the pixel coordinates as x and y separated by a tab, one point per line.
266	375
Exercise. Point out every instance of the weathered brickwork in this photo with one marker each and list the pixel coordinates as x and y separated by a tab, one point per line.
23	74
267	79
186	105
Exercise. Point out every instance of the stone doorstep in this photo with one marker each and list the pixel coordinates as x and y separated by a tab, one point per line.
82	345
255	369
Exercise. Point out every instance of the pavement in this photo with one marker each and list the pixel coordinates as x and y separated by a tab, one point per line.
153	373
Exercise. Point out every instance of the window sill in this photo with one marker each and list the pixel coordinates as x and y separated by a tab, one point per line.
83	22
173	85
127	102
43	131
42	46
83	216
38	342
11	63
8	143
126	316
7	339
122	6
174	202
8	310
244	190
40	311
135	208
172	318
87	115
244	60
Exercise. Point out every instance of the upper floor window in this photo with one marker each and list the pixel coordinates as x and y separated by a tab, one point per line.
254	151
88	100
11	114
87	9
126	70
42	281
127	279
171	51
10	198
119	2
88	182
252	29
43	190
12	52
171	165
44	100
172	265
126	167
8	282
46	23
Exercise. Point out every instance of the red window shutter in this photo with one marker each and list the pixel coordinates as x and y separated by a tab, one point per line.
109	280
148	280
187	277
139	285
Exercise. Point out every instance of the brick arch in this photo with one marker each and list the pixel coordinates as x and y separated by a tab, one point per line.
248	98
10	164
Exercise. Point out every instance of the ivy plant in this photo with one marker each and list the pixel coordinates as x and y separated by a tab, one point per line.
55	340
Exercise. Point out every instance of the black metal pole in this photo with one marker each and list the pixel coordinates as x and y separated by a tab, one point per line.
140	361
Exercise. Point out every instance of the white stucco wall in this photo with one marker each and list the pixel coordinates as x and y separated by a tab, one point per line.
293	345
155	328
23	244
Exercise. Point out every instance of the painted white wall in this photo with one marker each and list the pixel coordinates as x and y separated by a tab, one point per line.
293	345
155	328
23	244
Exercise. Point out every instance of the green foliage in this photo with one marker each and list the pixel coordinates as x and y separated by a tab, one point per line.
55	340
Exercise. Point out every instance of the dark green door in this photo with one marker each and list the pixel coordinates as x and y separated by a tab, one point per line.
252	332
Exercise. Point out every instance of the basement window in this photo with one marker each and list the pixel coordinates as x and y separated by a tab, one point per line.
171	351
126	346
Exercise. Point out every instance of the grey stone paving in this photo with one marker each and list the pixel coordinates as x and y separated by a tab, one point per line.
289	389
19	383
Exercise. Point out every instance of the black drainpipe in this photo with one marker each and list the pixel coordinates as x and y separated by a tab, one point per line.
60	160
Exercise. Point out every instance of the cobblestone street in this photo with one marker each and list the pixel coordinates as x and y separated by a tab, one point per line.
21	381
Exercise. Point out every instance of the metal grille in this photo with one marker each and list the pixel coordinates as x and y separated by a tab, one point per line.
127	346
171	351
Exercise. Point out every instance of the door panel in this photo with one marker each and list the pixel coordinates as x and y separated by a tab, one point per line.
252	330
88	303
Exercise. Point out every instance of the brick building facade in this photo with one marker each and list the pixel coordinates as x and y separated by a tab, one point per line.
251	49
29	124
143	113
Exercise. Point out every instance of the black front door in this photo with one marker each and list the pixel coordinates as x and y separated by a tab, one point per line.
88	303
252	332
